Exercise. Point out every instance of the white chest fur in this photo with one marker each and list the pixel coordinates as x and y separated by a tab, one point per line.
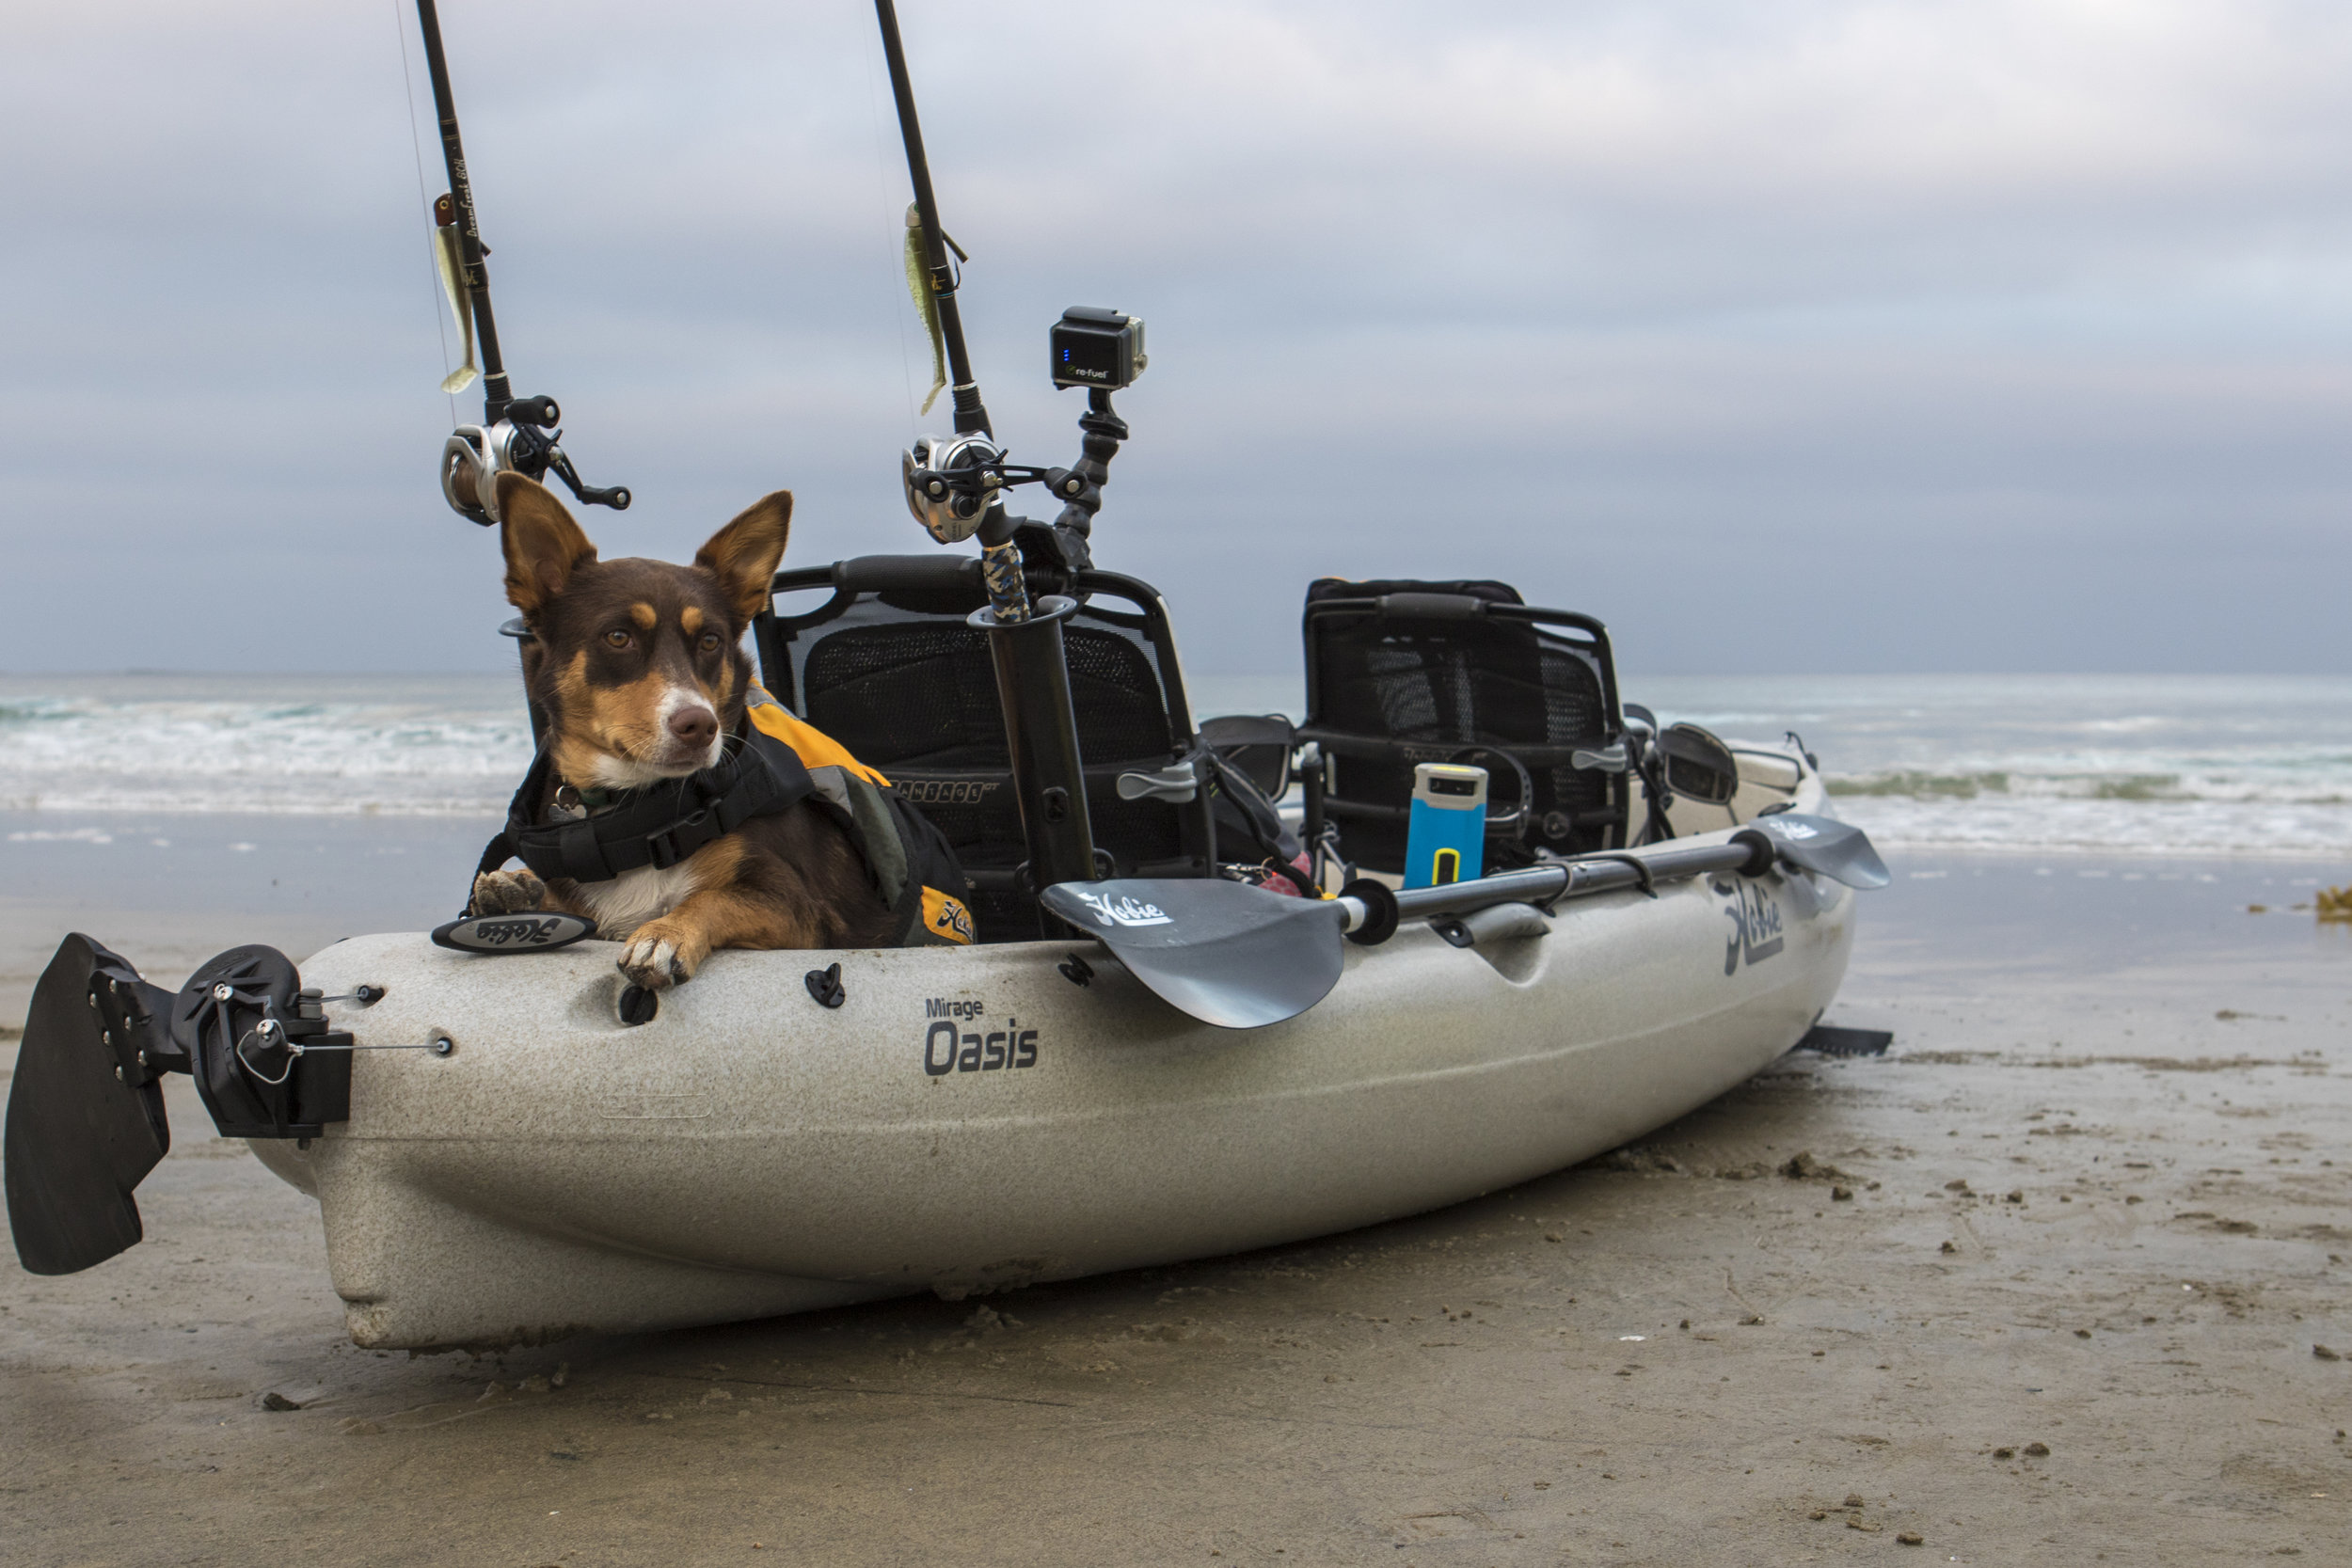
633	897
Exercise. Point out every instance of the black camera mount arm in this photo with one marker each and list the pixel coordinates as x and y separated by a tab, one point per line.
516	435
1080	486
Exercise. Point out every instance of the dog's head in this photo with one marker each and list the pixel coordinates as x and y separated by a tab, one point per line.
638	664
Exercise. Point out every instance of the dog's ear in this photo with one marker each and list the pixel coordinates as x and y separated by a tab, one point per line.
544	546
743	555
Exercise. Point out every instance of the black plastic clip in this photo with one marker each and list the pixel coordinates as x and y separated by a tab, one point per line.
825	986
1077	971
638	1006
1451	927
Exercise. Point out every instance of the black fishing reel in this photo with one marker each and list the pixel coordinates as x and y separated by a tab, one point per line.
524	440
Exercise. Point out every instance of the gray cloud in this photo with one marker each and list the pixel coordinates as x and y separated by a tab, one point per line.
1856	336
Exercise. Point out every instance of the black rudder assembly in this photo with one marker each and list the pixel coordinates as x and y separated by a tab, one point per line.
86	1117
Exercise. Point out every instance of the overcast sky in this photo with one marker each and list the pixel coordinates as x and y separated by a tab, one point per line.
1817	336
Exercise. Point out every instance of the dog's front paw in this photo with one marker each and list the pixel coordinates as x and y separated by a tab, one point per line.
507	893
660	954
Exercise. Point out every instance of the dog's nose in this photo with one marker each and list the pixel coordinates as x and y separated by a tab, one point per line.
694	726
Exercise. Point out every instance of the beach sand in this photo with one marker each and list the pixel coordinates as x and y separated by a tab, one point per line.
2071	1311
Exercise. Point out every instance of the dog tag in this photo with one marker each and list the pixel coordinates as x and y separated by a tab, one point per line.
534	932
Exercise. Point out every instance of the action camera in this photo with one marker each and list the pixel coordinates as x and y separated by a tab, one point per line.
1093	347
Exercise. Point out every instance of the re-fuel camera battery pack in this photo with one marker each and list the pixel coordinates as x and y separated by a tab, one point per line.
1445	839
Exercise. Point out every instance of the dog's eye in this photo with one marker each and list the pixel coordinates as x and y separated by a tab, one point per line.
618	638
710	642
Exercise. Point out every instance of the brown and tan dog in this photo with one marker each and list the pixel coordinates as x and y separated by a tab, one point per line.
638	667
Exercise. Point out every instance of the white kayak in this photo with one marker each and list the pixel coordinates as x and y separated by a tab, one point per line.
974	1119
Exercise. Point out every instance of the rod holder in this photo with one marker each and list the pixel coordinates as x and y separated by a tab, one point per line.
1041	732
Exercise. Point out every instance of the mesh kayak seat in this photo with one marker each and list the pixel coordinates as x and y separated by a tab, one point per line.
886	664
1400	673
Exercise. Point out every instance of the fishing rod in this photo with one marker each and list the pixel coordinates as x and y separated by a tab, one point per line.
971	414
516	435
955	487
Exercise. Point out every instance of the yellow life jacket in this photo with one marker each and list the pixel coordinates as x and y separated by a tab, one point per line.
911	865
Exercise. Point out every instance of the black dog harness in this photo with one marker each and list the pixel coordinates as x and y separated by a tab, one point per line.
659	825
764	772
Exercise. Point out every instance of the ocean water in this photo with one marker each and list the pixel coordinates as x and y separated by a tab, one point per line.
2167	765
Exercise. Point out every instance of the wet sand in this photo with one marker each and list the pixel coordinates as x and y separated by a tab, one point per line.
2098	1207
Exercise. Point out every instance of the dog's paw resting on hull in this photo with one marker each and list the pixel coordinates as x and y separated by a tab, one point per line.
508	893
640	670
656	954
668	951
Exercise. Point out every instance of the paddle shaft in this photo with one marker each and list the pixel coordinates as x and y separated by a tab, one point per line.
497	391
1543	884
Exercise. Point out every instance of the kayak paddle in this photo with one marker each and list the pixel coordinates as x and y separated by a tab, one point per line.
1240	958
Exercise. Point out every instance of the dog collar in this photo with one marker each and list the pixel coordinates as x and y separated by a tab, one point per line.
595	798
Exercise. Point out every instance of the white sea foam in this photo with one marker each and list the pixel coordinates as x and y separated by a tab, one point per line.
2147	764
414	746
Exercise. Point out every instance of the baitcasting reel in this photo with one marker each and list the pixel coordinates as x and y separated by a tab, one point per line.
524	441
952	481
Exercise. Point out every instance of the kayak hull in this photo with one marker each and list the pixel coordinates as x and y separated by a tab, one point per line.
972	1120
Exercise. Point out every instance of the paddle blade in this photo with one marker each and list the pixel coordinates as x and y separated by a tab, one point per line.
1827	847
1235	956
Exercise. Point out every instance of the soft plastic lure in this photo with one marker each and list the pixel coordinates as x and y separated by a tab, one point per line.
919	285
446	258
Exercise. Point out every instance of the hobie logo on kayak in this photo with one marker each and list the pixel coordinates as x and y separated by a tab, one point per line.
513	933
1756	933
1122	911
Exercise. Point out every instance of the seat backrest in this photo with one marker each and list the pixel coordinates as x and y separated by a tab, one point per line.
887	664
1400	673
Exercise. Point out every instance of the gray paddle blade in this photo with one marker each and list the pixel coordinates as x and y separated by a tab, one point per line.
1827	847
1235	956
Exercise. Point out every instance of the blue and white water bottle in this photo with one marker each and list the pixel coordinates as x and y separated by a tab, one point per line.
1445	839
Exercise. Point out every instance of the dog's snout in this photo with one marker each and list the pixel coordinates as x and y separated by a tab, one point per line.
694	726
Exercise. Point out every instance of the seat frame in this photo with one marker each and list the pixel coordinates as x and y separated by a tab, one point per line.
1591	640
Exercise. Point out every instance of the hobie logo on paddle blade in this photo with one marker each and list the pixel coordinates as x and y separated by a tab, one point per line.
536	932
1789	830
1122	911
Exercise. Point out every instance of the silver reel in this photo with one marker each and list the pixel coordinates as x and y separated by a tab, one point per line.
471	460
951	482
